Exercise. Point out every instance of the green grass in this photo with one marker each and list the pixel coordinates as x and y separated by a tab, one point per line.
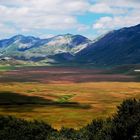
64	98
6	67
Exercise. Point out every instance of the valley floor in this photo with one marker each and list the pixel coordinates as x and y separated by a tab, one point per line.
64	96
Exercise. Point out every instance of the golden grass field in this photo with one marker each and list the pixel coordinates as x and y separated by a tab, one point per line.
64	103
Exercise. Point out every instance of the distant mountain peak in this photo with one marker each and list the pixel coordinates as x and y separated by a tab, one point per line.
114	48
29	47
18	36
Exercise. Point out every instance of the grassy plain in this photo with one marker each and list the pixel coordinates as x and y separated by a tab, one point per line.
68	97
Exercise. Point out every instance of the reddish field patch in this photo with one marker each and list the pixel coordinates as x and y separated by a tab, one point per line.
62	75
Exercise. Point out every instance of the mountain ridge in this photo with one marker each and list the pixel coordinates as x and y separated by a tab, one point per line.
115	48
27	47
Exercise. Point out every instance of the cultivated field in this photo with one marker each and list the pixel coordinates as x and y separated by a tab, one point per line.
64	96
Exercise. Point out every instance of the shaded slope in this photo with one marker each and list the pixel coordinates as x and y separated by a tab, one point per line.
117	47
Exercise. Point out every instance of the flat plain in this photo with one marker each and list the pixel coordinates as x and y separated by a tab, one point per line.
64	96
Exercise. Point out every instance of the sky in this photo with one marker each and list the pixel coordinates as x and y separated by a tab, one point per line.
47	18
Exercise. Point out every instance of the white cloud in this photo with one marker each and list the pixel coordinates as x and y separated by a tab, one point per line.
6	30
31	15
46	36
120	3
124	13
105	8
50	6
106	24
114	6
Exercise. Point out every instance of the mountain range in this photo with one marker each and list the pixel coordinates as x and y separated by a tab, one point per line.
115	48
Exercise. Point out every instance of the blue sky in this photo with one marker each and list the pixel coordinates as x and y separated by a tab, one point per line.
46	18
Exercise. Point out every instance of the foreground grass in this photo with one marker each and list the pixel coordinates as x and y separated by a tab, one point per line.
69	105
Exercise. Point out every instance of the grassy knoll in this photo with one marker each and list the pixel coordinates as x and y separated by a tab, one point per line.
64	98
69	105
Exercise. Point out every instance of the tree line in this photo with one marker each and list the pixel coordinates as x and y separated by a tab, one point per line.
124	125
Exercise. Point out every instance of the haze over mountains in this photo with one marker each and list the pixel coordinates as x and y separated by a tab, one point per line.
115	48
